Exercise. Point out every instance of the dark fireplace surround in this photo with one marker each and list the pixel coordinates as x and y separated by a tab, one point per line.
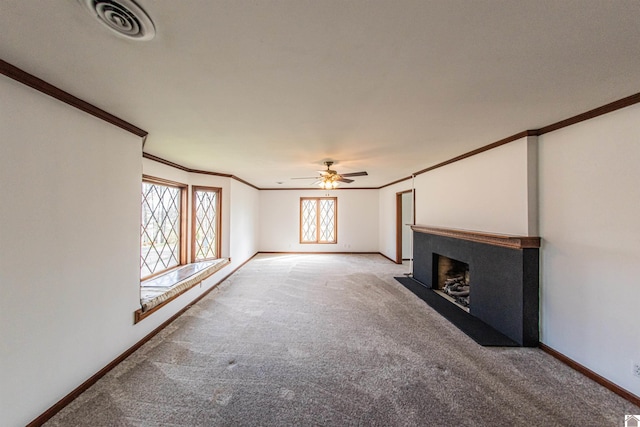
504	275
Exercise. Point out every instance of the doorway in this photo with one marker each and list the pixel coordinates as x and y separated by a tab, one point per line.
405	215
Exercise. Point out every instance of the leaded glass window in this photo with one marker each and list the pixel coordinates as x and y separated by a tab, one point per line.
318	219
161	228
309	220
205	225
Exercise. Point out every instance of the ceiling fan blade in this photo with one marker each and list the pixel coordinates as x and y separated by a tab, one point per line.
355	174
345	180
307	177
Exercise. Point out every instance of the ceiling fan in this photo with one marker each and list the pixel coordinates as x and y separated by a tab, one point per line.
329	178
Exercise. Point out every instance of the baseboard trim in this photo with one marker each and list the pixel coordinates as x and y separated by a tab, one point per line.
319	253
327	253
592	375
392	260
57	407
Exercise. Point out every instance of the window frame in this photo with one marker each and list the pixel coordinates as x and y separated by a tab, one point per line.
218	207
182	246
318	221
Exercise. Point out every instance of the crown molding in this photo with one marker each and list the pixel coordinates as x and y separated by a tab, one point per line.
40	85
479	150
599	111
396	182
608	108
186	169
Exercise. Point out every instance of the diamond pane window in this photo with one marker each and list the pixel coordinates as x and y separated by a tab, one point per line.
161	233
327	220
309	220
318	220
205	224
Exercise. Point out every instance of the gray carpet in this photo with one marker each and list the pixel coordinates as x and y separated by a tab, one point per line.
333	340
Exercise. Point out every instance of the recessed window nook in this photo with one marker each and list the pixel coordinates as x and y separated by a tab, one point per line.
164	269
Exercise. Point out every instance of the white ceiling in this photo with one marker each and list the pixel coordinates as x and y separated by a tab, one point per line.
267	90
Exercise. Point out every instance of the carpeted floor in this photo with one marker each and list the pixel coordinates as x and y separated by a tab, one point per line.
333	340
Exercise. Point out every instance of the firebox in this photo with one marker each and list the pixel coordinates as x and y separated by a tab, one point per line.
453	279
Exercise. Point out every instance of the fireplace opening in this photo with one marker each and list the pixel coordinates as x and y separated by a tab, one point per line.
452	279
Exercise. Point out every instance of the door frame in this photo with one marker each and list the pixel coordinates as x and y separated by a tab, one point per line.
399	221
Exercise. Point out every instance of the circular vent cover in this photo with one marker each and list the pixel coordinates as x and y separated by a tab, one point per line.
124	17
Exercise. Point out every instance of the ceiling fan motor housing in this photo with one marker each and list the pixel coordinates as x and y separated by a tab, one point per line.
329	171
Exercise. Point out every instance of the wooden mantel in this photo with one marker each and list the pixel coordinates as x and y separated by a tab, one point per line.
504	240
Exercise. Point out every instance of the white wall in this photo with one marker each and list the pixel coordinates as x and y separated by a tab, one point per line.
590	224
494	191
486	192
70	247
244	222
69	254
357	221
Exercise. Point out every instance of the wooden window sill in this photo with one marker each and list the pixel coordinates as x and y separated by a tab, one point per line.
318	243
159	291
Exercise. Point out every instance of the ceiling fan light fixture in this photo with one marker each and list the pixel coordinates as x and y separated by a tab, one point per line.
328	183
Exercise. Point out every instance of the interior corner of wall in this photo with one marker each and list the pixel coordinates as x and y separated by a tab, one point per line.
533	222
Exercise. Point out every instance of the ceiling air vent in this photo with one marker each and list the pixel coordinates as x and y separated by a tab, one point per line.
124	17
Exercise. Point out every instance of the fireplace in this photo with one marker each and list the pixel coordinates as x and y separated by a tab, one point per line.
452	280
501	273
